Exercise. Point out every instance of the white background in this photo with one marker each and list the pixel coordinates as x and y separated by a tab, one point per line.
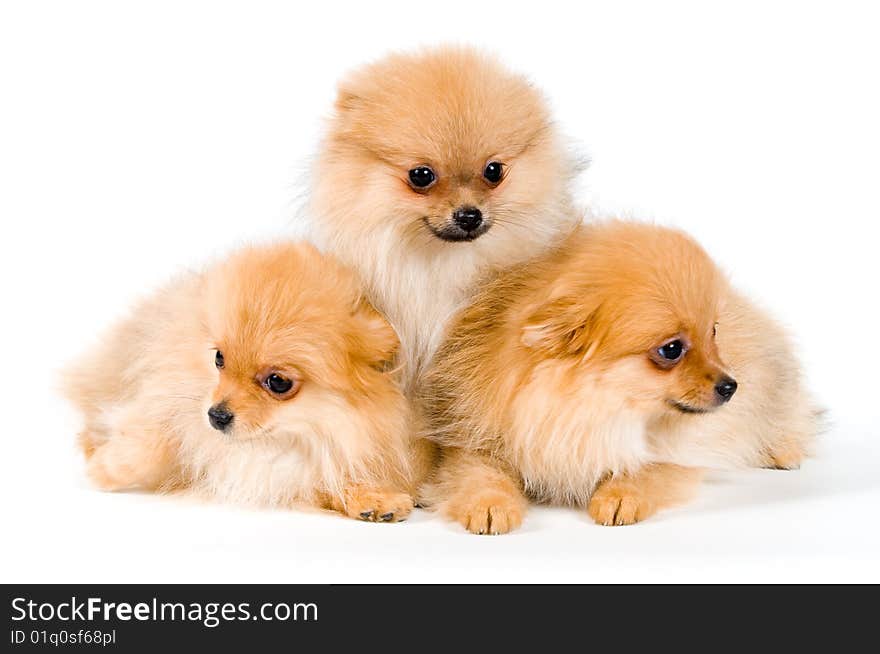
139	138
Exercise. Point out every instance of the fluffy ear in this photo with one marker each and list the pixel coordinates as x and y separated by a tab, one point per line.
561	327
377	340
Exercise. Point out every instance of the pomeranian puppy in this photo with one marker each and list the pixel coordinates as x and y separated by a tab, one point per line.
260	380
439	167
581	376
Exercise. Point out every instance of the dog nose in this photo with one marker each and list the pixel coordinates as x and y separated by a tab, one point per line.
468	218
725	388
220	417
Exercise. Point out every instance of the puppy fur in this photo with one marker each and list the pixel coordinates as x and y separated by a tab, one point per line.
453	110
551	385
338	438
771	422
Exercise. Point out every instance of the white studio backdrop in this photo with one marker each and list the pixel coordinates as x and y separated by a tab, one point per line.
137	139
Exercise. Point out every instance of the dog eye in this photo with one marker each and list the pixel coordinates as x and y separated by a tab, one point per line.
422	177
671	351
278	384
493	172
219	361
715	330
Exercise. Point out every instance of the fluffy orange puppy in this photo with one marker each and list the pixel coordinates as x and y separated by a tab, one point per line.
582	377
439	168
260	380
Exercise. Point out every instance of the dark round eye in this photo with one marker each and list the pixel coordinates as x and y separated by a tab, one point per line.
278	384
422	177
493	172
219	361
672	350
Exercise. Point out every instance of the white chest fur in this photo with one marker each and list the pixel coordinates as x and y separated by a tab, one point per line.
419	287
565	439
257	474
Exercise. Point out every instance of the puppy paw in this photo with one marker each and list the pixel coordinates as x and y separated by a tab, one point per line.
488	513
374	505
787	457
104	471
616	504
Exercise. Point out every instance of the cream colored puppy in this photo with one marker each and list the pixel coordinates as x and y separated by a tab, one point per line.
439	168
260	380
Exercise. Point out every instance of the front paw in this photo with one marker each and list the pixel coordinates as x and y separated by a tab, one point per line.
787	457
108	471
374	505
488	513
616	504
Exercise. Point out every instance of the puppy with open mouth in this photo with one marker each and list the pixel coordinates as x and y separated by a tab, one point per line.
585	376
259	380
439	168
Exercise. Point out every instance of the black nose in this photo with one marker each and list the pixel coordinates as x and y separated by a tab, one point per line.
220	417
725	388
468	218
